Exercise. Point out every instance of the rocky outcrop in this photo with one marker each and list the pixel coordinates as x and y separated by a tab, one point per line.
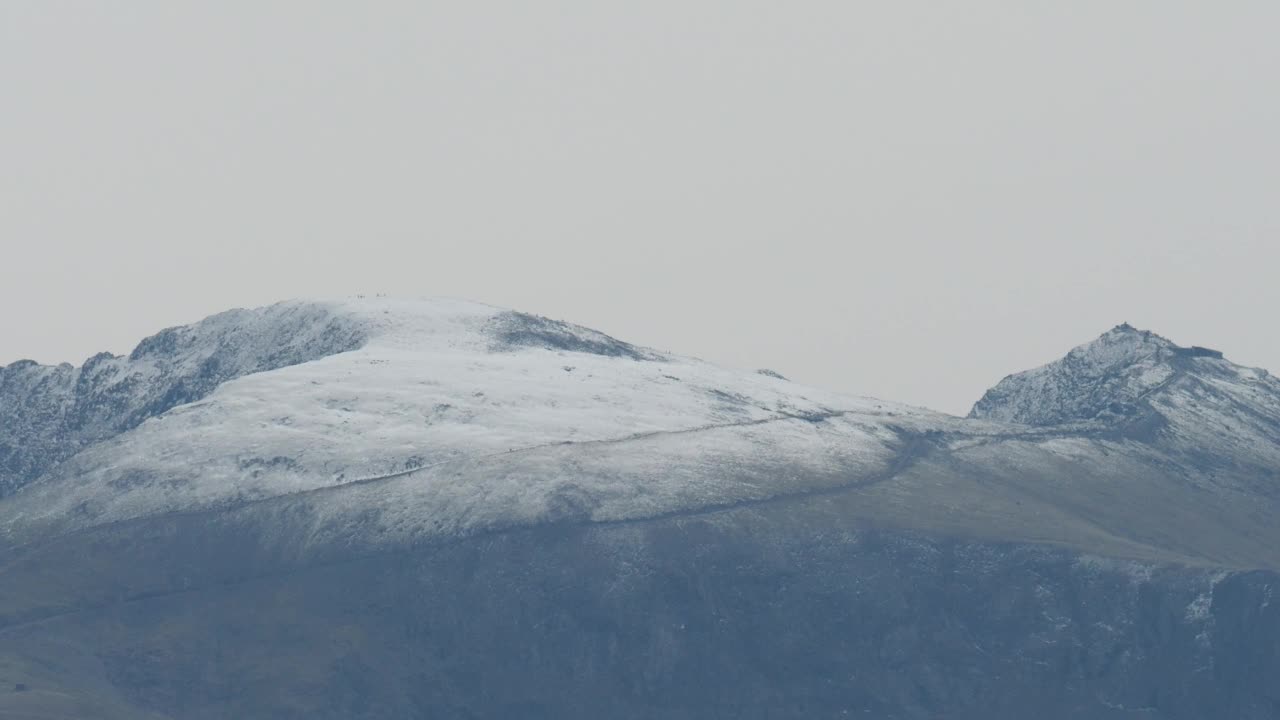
49	413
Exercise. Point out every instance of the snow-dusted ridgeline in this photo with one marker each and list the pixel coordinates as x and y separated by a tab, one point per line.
431	383
412	419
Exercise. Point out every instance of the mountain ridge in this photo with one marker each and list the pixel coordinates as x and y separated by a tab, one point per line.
490	385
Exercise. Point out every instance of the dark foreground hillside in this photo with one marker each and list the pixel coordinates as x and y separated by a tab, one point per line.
763	613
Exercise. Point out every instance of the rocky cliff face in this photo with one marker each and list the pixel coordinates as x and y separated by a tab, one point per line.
51	412
396	509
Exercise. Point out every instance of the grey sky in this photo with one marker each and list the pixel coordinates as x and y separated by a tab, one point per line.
901	199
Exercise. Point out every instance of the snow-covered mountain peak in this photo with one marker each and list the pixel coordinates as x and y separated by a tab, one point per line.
49	413
1120	350
450	324
1098	380
1126	378
425	388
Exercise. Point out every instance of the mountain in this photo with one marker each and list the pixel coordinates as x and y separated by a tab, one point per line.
392	508
1217	418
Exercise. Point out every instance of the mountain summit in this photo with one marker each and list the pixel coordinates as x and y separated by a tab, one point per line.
1133	383
1104	380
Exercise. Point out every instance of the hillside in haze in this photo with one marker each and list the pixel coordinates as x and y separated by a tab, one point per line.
383	508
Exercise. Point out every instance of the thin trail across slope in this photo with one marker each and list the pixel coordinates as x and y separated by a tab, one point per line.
373	479
915	446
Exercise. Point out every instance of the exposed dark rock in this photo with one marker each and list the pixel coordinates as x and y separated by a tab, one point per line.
517	329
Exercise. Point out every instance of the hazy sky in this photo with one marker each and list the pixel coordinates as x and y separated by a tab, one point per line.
900	199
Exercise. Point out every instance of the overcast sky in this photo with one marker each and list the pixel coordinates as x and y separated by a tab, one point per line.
907	200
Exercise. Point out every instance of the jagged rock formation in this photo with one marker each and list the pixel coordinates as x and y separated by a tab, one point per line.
1104	380
1189	402
51	412
388	509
